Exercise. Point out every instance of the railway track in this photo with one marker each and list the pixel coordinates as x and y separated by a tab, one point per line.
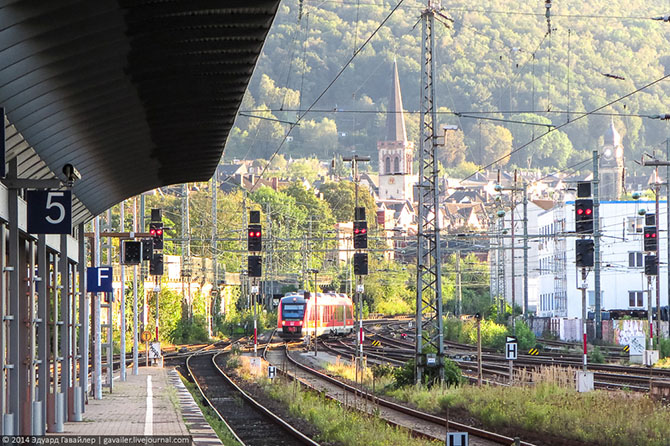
251	423
419	423
496	368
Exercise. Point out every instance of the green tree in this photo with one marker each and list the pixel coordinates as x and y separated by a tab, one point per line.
340	196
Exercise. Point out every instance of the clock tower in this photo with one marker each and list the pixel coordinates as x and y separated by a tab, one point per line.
395	152
611	165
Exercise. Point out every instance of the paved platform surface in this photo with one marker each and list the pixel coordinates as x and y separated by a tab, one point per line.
154	402
145	404
200	430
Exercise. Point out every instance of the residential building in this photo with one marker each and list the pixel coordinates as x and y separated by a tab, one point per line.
552	274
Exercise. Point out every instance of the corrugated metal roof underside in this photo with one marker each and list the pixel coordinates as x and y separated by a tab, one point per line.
135	94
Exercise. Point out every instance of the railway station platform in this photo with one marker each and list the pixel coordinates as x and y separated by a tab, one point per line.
152	403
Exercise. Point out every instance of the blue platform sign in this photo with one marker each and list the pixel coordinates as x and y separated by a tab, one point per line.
99	280
49	211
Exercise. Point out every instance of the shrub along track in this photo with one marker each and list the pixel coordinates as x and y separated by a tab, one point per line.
251	423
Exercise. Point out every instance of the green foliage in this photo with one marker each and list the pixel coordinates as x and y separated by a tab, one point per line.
189	331
595	355
477	67
404	376
242	322
382	370
388	289
340	196
664	347
474	285
525	336
336	423
493	335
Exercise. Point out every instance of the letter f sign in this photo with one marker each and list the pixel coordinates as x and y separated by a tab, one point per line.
103	273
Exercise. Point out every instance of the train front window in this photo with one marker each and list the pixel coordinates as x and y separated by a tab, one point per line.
293	311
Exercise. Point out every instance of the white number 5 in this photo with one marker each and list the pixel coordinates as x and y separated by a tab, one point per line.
57	205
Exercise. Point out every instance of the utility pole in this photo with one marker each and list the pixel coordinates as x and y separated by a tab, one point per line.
359	279
513	257
97	326
658	257
525	249
596	243
458	283
135	318
429	324
122	347
215	255
657	189
583	287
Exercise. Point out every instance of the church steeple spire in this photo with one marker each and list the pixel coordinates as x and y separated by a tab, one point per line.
395	119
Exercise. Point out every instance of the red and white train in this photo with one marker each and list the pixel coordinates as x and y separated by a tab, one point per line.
330	313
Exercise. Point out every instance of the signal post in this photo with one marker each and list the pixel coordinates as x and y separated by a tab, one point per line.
584	259
255	264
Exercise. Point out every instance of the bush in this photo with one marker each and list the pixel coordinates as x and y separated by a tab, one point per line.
190	331
525	336
404	376
664	347
596	356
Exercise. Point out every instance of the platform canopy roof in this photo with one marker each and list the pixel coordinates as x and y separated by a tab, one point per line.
136	94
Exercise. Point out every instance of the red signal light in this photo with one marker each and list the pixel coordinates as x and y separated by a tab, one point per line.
647	235
356	231
588	211
653	235
580	211
152	232
258	234
363	231
159	232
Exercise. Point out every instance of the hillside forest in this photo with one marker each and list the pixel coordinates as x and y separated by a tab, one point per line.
504	75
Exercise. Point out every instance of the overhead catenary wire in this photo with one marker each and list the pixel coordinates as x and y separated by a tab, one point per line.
523	146
330	84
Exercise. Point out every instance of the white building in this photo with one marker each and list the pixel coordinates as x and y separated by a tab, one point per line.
552	275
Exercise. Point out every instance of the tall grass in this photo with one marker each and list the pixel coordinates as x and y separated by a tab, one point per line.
552	406
339	424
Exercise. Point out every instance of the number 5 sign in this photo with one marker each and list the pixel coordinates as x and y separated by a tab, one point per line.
49	211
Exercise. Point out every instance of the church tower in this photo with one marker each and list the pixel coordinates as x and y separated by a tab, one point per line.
395	152
611	165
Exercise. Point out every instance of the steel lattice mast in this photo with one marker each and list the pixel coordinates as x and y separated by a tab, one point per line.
429	334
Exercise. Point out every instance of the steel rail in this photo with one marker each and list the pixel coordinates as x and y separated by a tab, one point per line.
209	403
491	436
302	438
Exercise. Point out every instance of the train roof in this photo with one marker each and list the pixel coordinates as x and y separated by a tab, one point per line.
328	297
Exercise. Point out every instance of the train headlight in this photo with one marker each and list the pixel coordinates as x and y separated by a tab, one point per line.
283	322
300	322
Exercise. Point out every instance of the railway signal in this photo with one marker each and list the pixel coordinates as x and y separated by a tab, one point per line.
254	238
156	233
132	252
584	216
651	265
584	253
254	266
360	234
361	264
650	240
156	265
147	249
